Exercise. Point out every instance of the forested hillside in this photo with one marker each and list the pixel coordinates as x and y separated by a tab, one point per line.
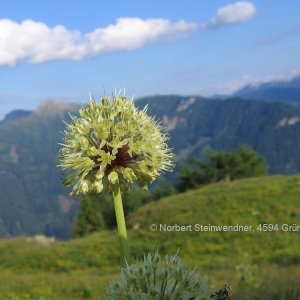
33	199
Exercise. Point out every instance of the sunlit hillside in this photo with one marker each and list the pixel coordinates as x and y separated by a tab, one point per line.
254	262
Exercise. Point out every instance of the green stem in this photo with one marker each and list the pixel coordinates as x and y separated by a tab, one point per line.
120	221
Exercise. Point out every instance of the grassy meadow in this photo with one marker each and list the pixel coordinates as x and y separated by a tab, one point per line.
259	265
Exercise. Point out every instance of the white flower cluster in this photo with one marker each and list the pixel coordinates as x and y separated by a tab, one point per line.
111	142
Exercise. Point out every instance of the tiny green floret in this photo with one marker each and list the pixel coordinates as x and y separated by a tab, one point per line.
113	141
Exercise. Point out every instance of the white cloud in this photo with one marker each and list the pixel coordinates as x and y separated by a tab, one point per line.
231	14
35	42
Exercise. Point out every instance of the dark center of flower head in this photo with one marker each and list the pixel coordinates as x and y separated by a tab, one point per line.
122	157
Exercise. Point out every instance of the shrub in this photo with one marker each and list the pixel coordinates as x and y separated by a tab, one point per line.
241	162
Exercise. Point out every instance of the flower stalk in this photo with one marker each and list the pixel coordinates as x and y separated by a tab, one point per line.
116	192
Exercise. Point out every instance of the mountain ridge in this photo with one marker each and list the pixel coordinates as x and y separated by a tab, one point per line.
277	90
34	201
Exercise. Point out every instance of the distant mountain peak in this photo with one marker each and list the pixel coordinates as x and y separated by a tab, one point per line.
293	82
287	90
16	115
52	107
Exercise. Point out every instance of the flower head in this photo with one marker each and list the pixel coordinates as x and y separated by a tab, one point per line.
111	142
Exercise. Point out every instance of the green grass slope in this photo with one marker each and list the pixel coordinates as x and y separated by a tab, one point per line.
256	263
267	200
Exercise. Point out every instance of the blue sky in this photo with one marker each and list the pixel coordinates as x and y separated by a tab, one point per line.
66	49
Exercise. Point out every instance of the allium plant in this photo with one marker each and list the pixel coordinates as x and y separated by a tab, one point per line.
158	277
113	145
